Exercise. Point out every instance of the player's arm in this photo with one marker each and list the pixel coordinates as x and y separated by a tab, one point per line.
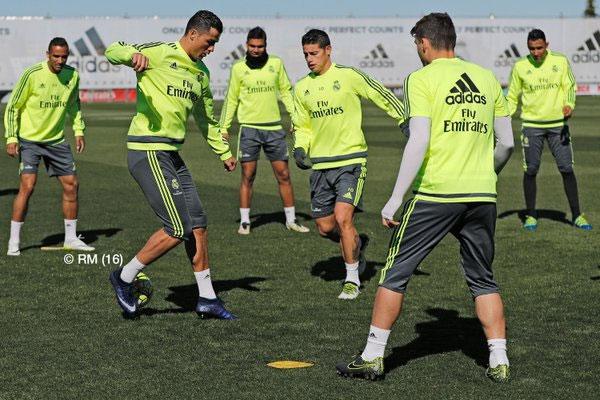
209	127
369	88
514	90
569	87
285	90
418	108
505	141
18	98
231	102
74	111
302	133
136	56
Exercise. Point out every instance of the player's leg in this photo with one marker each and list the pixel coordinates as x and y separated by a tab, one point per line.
20	206
476	236
29	160
349	182
532	143
276	150
422	226
155	174
249	144
60	163
562	150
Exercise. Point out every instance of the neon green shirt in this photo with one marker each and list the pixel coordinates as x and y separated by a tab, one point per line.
39	104
462	100
545	88
328	115
172	87
253	92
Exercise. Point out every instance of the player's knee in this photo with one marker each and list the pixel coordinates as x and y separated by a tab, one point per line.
248	179
27	188
566	169
325	229
344	221
283	177
532	170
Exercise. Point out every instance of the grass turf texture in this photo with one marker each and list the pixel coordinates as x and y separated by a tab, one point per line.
62	334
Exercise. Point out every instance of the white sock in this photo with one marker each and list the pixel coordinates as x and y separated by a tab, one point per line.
376	343
205	287
352	273
70	229
130	270
244	215
497	352
290	214
15	231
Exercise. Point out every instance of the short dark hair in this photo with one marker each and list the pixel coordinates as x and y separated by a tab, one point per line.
257	33
536	34
316	36
203	20
58	41
438	28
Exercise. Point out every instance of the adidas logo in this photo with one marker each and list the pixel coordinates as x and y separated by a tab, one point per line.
377	58
173	65
237	53
88	52
95	41
348	195
589	52
465	91
508	57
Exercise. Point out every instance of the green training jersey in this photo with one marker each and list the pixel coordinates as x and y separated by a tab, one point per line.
39	104
253	92
462	100
172	87
328	115
544	87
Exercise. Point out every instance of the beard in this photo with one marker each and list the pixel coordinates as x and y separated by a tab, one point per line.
256	62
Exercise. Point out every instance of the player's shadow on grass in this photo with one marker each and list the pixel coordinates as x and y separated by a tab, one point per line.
8	192
258	220
89	237
185	297
553	215
447	333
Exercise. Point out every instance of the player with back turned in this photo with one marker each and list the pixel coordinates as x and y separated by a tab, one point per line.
173	82
328	119
457	112
35	121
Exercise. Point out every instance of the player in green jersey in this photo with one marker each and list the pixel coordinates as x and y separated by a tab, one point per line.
328	119
34	121
173	82
457	112
254	85
546	85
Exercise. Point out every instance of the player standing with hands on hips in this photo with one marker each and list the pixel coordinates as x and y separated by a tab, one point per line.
173	82
457	114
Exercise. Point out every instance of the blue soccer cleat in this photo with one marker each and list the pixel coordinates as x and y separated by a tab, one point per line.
212	308
530	223
124	292
582	223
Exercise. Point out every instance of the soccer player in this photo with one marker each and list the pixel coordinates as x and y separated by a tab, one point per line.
172	83
456	111
34	121
254	84
546	85
327	119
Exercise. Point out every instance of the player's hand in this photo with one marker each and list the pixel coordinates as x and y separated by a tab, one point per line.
79	144
139	62
389	223
230	164
12	149
567	111
225	136
300	157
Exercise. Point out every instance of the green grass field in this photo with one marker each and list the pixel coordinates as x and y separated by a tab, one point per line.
62	334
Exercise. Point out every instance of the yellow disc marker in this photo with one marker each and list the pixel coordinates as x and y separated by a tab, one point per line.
289	364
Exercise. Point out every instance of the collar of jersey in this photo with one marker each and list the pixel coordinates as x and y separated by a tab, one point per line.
319	76
444	59
535	63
